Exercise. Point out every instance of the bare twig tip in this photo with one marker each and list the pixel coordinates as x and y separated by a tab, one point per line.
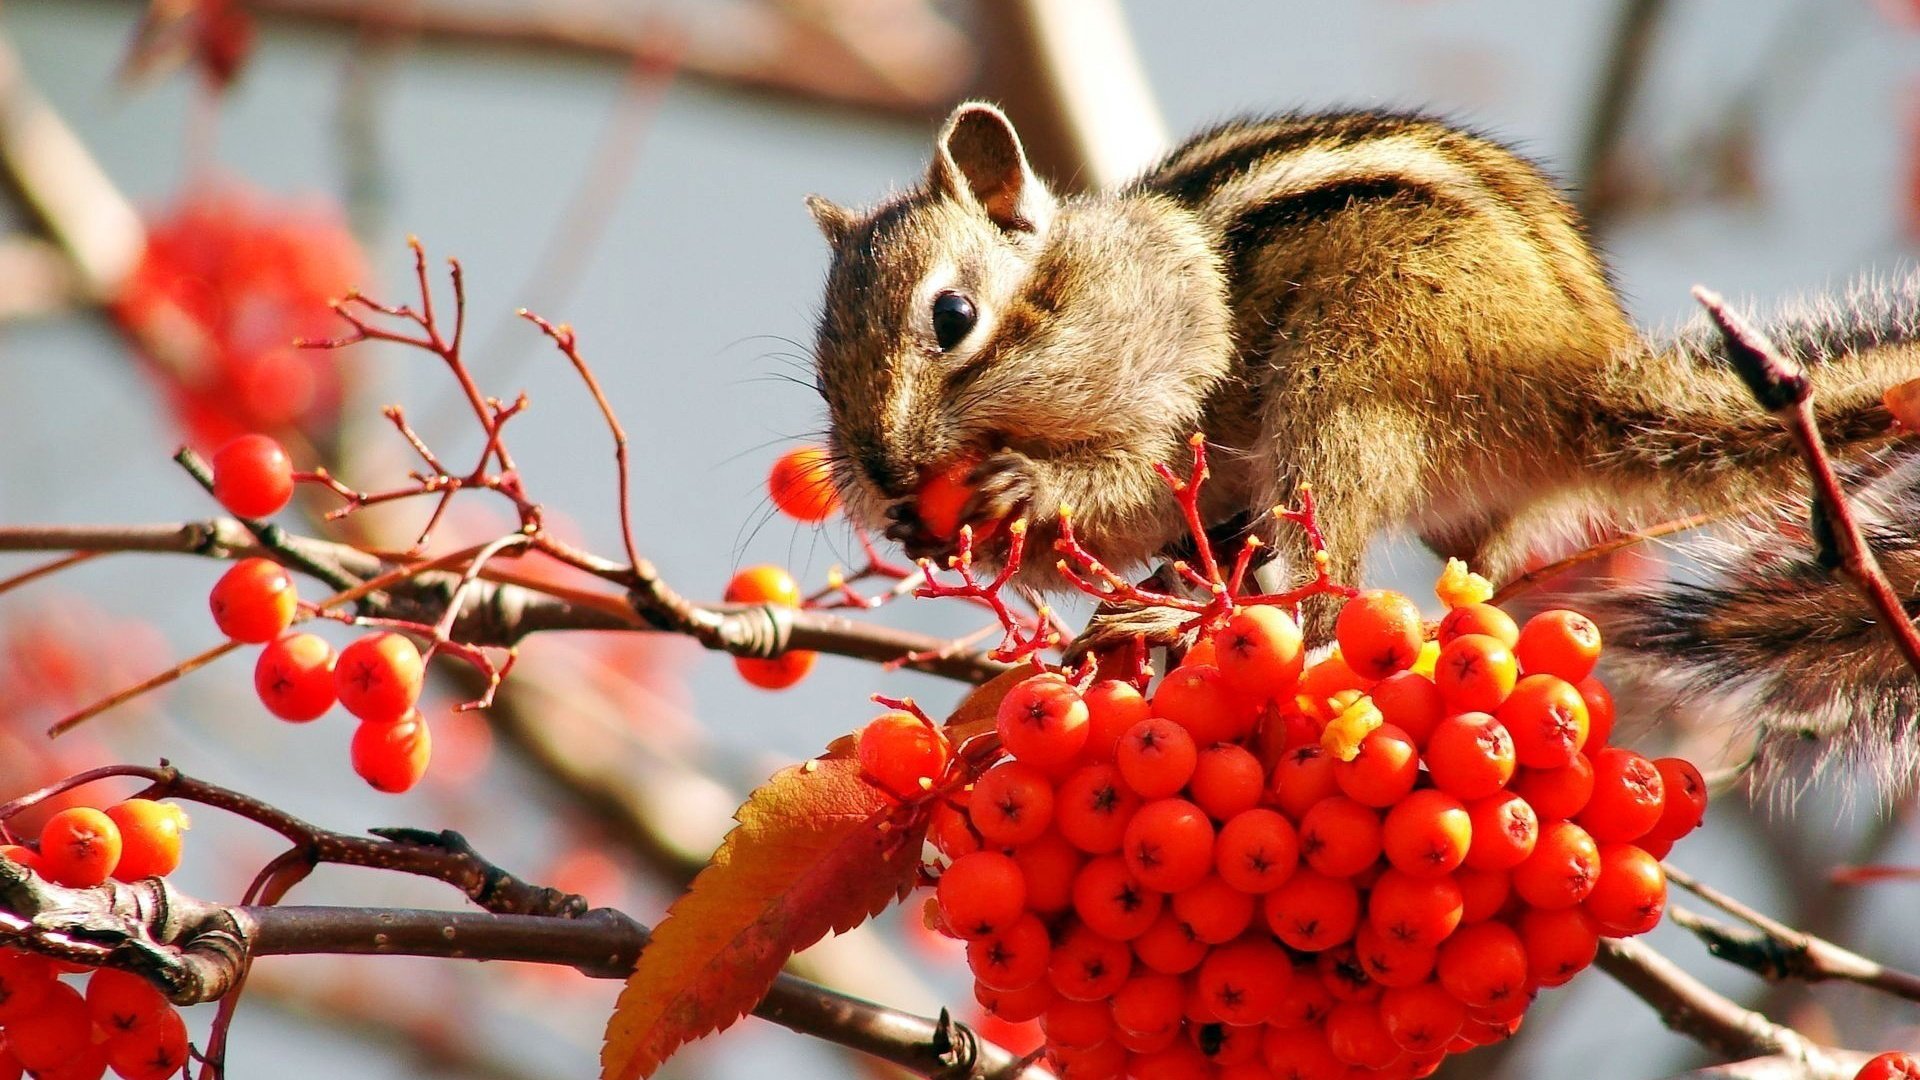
1775	381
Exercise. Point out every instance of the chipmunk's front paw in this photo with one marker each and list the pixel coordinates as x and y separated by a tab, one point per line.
1005	485
906	528
1112	628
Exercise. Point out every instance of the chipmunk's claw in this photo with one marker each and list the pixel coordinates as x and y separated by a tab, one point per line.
1112	628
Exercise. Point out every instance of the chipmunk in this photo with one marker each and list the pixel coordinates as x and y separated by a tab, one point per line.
1401	313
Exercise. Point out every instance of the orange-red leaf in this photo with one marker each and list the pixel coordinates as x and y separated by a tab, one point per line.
809	855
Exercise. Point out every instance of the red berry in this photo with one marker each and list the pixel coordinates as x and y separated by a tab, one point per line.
1243	983
1558	642
1156	756
1478	619
1422	1018
1359	1036
801	484
1556	793
294	677
1892	1066
252	476
1311	912
1113	707
1259	652
254	601
1384	770
1415	911
1085	966
766	584
1256	851
1483	893
1411	702
1214	911
1505	830
1092	807
1470	756
1012	803
79	847
1562	870
1012	958
1112	902
1043	722
121	1002
1050	865
1559	944
1427	833
1380	632
1631	894
26	980
53	1034
1149	1004
1628	796
1599	713
154	1053
1685	805
1390	963
149	838
1483	965
1547	718
776	672
392	757
1226	780
1340	837
1475	673
1168	947
378	677
1197	698
1016	1006
981	894
23	856
1169	844
904	755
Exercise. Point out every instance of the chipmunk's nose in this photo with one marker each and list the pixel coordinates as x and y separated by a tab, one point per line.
894	480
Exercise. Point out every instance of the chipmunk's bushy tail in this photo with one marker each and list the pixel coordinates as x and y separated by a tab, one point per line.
1759	629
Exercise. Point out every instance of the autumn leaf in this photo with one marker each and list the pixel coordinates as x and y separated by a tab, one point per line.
817	849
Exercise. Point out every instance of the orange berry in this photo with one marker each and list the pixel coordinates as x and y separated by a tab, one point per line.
1559	793
1475	673
1470	755
1050	865
1562	870
1244	982
1076	1025
1198	699
1324	681
1409	701
1156	756
1092	807
1340	837
902	754
1214	911
1311	912
1505	830
79	847
1380	632
53	1034
1421	1018
1012	958
1558	642
801	484
1628	796
121	1002
1389	963
1483	964
776	672
1016	1006
1547	718
154	1053
1415	911
252	477
1168	947
1383	771
1427	833
1149	1004
254	601
1226	780
943	494
765	584
26	981
22	856
1599	713
1478	619
1112	902
1685	804
981	894
1302	777
378	677
1043	722
294	677
1890	1066
1085	966
1012	802
1112	708
1256	851
1483	893
149	838
1169	844
392	757
1631	894
1559	944
1359	1036
1259	652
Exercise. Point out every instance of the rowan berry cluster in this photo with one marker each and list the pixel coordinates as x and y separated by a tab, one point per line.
55	1029
298	676
1265	869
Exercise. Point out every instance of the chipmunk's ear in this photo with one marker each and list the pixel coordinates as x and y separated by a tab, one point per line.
835	221
978	159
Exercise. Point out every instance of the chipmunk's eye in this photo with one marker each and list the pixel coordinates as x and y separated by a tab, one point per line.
953	319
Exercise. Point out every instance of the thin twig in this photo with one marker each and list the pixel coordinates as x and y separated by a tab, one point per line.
1783	388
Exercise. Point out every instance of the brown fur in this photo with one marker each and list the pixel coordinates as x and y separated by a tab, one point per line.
1405	315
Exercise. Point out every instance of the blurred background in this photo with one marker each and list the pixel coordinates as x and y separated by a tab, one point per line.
190	183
